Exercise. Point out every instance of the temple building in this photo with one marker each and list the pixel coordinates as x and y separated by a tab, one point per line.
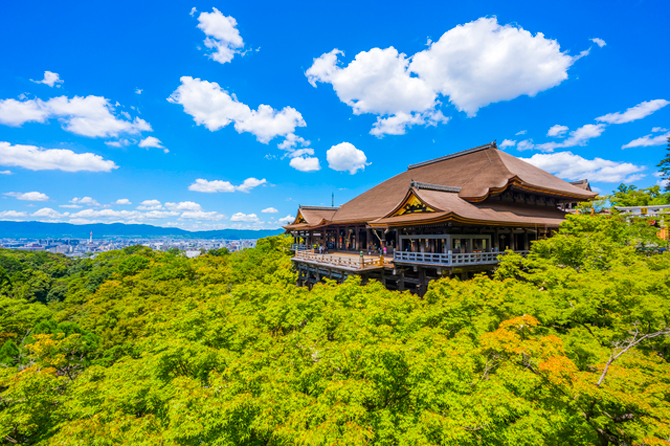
452	215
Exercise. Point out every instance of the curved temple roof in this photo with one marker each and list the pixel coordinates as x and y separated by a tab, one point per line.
457	181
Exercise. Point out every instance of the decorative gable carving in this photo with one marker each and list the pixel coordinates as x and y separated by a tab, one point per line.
299	219
412	206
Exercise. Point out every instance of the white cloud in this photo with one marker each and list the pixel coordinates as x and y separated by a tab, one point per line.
151	141
214	108
37	158
600	42
150	205
183	206
70	206
138	91
47	213
483	62
122	201
120	143
574	167
222	35
400	122
28	196
292	141
526	144
4	215
88	201
345	157
6	172
557	131
50	79
270	210
521	132
647	141
87	116
658	129
250	183
201	215
193	11
248	218
472	65
507	143
202	185
578	137
640	111
301	152
288	219
305	163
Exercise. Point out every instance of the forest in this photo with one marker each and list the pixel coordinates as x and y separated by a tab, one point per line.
567	346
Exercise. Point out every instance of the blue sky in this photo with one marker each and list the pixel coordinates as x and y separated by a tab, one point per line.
228	115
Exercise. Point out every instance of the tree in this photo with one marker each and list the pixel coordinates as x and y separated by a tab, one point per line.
665	167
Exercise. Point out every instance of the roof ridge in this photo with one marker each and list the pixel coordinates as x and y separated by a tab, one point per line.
319	208
432	186
491	145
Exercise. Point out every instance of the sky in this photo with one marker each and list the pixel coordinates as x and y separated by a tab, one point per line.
211	115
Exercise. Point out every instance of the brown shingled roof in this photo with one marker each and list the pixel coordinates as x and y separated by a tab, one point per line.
471	176
449	206
477	172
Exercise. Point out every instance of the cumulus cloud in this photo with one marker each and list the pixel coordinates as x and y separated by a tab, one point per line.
658	129
70	206
247	218
344	157
150	205
213	107
600	42
223	38
88	201
202	185
4	215
648	141
579	137
640	111
557	131
507	143
288	219
151	141
50	79
138	91
183	206
37	158
473	65
120	143
574	167
270	210
305	163
90	116
28	196
122	201
47	213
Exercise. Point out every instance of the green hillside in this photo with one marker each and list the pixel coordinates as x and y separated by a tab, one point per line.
137	347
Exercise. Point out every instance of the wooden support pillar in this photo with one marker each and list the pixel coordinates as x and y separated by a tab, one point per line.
423	284
496	239
526	243
512	242
401	281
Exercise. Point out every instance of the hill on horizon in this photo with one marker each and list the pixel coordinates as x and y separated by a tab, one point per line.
34	229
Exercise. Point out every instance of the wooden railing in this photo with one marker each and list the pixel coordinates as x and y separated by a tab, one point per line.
345	261
299	247
450	259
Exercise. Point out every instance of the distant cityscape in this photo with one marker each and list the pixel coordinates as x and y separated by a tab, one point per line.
77	247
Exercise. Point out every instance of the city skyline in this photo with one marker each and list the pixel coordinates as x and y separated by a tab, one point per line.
230	115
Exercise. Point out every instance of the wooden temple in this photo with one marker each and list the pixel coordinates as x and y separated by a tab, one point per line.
452	215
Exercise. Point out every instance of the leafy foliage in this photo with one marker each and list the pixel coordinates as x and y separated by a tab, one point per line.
224	349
